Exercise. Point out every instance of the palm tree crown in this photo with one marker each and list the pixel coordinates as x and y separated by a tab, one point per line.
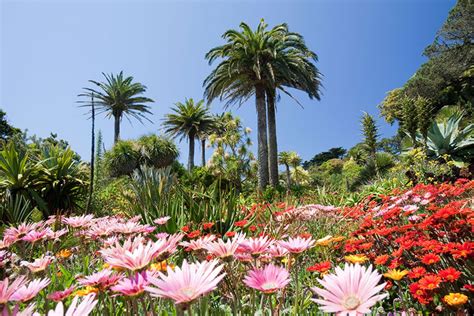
189	120
119	97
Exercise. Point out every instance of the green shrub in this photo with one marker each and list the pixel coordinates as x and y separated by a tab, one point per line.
150	150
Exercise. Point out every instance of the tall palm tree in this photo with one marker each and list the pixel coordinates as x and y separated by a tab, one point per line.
246	70
188	120
119	97
292	68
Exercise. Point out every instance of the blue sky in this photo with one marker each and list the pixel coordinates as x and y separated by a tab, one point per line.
50	49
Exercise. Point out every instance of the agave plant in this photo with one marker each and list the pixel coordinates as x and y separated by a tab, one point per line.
446	137
15	209
19	177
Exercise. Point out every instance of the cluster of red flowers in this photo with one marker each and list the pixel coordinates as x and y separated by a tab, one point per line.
427	231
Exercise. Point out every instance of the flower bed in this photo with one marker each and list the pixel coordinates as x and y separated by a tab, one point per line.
408	251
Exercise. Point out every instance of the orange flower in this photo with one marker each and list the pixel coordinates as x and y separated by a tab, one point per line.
429	282
320	267
419	294
381	260
64	254
338	238
194	234
253	228
185	228
241	223
207	226
417	272
430	259
449	274
230	234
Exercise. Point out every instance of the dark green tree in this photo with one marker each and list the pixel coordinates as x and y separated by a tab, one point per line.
447	78
318	159
369	129
6	130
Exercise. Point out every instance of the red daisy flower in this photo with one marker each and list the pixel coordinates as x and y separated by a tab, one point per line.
430	259
429	282
320	267
417	272
450	274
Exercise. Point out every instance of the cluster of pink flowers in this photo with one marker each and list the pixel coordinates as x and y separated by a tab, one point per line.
132	259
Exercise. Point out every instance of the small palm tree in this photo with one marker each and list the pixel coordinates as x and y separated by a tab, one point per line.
188	120
289	159
118	97
284	159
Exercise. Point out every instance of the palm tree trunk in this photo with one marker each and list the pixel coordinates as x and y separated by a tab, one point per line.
288	176
116	128
262	137
272	139
191	153
203	152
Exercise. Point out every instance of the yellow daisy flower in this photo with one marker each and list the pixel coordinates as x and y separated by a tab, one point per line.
455	299
395	274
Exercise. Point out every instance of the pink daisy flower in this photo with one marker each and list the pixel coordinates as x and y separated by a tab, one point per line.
256	246
79	221
27	311
186	283
132	286
171	244
55	235
198	244
28	291
223	249
352	291
6	291
13	234
277	251
297	245
162	235
132	228
102	279
40	264
162	220
34	236
61	295
134	254
267	280
83	309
